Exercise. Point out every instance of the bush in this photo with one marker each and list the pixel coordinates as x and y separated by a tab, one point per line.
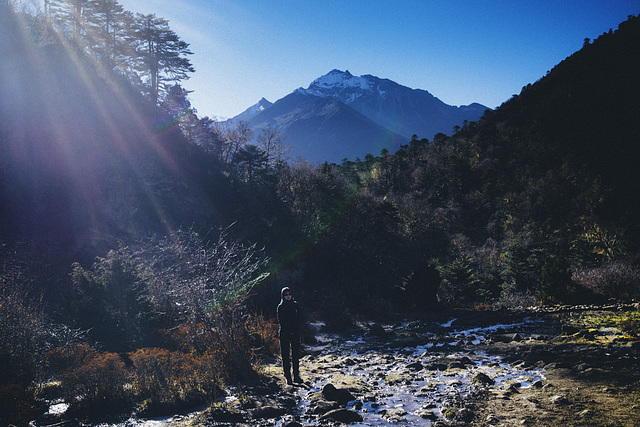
97	387
17	405
516	300
230	336
66	358
110	300
22	330
23	335
615	279
230	340
166	380
263	334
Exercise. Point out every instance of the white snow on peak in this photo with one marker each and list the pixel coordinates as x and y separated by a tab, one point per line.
336	81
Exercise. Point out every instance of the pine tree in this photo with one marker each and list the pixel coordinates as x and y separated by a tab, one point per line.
162	55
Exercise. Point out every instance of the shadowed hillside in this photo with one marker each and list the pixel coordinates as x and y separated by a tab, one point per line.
86	161
582	118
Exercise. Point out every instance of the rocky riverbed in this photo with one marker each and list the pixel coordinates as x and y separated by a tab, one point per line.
461	367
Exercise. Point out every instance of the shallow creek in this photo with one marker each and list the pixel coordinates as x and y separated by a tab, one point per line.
394	383
411	385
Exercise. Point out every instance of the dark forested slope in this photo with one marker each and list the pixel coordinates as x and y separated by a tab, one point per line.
582	119
539	197
86	161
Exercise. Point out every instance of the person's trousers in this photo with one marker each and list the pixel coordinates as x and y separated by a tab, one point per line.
290	350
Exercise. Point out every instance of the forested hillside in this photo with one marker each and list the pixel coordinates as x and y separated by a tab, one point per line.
133	230
90	157
538	199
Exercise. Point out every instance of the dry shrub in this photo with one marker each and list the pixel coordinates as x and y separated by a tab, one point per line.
230	340
263	334
66	358
97	386
515	300
93	383
203	357
166	379
483	306
23	329
229	335
616	279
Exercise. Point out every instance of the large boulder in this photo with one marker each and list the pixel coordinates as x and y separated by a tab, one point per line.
340	395
345	416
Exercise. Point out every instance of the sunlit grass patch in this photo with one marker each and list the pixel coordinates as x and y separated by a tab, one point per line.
604	327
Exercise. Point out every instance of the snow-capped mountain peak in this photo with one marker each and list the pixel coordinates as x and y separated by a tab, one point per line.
341	115
337	84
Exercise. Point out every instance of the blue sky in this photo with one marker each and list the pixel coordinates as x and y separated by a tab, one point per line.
461	51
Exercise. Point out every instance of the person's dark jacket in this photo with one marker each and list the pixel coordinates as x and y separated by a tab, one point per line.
289	316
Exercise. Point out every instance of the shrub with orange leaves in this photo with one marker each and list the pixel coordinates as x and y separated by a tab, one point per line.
263	334
69	357
97	386
165	379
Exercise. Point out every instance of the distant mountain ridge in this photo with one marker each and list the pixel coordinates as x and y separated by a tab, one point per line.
252	111
374	114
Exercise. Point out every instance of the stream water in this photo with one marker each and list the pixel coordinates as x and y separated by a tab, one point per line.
403	385
402	389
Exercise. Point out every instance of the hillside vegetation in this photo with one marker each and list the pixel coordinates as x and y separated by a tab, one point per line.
143	247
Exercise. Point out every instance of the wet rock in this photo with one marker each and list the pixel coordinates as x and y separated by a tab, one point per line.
340	395
377	330
319	407
456	364
436	366
395	415
507	338
349	362
464	415
226	415
286	401
427	414
267	412
451	413
483	379
415	366
345	416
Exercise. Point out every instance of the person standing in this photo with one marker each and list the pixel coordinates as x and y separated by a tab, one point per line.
290	320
